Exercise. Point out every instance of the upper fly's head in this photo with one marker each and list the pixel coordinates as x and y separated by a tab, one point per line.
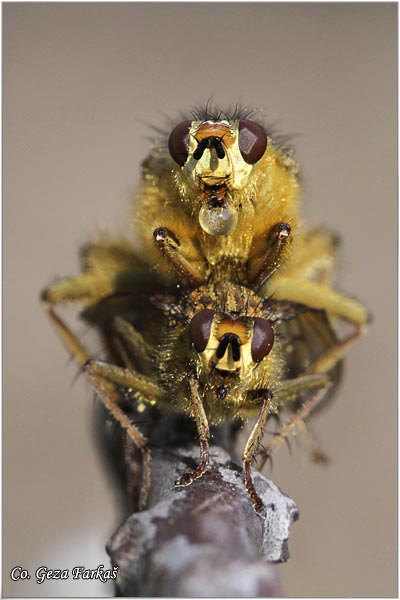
217	156
216	153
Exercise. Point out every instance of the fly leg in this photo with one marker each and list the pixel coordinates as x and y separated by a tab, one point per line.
331	357
203	431
287	392
168	245
108	267
106	379
315	376
317	455
324	364
106	389
137	349
315	295
250	451
269	263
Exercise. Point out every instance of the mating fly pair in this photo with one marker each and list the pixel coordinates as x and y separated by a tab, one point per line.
227	310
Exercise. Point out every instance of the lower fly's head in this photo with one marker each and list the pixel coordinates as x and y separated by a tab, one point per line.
229	338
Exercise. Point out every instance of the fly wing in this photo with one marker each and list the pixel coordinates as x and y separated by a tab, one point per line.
307	337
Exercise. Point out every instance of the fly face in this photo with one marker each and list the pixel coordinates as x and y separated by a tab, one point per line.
230	341
216	159
228	345
220	153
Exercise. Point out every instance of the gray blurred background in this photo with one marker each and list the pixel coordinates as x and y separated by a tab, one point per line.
80	83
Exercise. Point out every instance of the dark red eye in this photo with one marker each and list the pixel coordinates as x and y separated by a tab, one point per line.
252	141
178	143
263	339
200	328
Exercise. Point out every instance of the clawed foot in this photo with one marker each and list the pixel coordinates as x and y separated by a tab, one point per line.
320	458
259	508
186	479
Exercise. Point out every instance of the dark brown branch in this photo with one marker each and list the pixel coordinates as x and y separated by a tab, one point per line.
204	540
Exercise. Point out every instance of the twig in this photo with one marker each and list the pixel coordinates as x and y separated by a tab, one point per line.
204	540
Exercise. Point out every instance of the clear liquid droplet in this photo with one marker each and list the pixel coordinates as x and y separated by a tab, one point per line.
218	220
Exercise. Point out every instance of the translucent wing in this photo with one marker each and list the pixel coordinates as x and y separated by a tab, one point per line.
307	337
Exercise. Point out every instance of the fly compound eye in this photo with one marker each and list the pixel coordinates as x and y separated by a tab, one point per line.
178	143
252	141
200	328
262	340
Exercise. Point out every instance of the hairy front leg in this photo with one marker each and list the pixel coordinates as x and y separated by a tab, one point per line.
203	430
262	269
250	451
168	245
